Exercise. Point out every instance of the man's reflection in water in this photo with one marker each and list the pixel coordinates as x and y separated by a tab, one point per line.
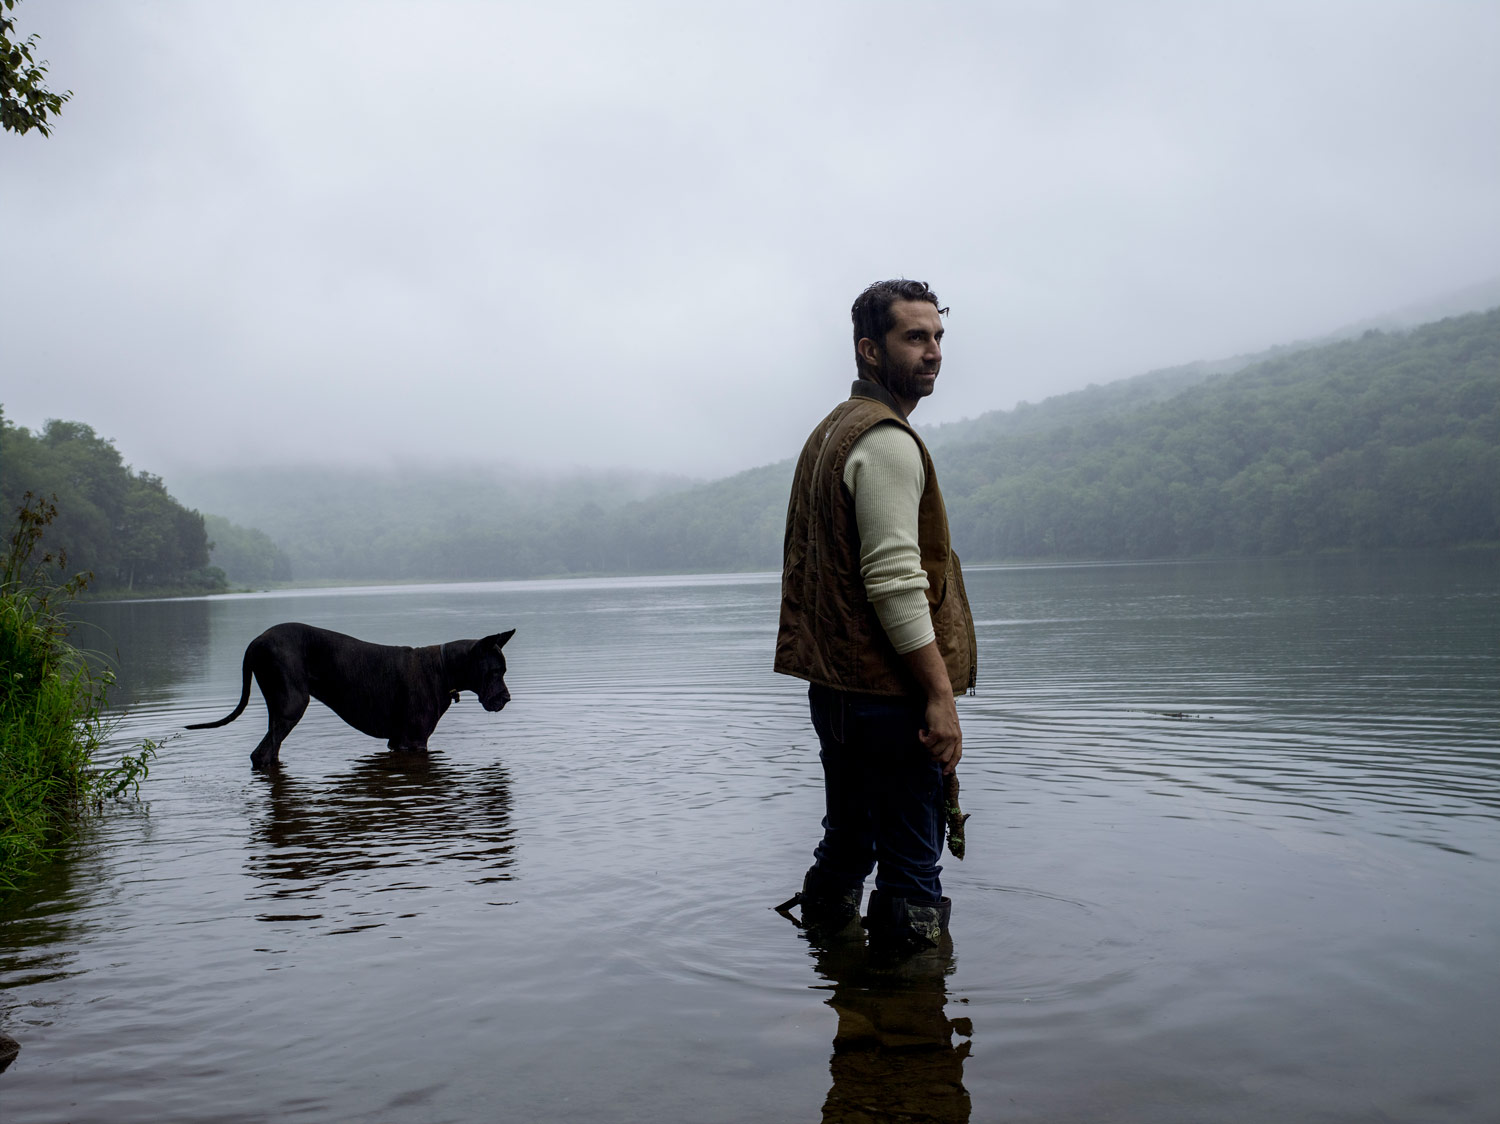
894	1056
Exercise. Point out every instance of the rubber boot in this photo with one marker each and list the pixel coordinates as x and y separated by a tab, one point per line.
830	910
900	927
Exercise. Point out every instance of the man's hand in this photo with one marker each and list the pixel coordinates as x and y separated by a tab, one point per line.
942	736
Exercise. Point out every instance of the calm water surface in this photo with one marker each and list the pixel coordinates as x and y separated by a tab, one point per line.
1234	856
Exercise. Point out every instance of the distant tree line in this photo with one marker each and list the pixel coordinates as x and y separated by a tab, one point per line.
118	523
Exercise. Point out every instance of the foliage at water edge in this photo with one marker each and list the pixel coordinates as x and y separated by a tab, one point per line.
52	704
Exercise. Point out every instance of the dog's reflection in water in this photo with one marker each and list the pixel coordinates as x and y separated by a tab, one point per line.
408	817
894	1055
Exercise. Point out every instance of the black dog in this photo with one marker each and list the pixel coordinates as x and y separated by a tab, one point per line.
384	691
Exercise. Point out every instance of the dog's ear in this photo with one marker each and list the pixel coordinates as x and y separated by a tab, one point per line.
499	639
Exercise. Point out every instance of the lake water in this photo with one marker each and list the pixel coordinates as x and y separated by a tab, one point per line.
1281	905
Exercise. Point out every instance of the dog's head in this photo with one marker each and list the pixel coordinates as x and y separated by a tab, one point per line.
489	670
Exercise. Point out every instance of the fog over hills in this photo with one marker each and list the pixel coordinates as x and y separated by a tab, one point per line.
1371	418
1375	440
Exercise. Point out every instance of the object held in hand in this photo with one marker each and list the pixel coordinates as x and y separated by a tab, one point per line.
956	816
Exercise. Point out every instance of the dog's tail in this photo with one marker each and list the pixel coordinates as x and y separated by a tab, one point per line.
237	711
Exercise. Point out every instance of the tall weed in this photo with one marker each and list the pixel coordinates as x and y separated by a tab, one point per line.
52	704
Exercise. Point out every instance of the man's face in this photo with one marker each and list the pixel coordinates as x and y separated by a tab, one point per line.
911	353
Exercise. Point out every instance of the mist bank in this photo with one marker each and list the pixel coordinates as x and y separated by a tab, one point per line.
1388	440
427	523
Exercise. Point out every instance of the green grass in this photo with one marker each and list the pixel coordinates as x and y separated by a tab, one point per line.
52	708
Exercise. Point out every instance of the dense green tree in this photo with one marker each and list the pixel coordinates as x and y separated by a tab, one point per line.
120	525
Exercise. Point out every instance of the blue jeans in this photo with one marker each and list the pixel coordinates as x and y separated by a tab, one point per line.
884	795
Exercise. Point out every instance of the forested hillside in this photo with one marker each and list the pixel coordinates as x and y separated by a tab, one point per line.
118	523
1388	440
1384	441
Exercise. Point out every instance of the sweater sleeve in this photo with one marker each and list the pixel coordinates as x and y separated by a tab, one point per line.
884	475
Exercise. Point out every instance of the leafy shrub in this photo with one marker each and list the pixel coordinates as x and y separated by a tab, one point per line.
51	706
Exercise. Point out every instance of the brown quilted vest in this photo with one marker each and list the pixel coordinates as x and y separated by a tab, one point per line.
829	632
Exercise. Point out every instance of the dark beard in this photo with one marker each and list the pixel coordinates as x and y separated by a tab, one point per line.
902	382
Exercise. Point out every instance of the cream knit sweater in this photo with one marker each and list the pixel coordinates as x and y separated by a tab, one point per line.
884	475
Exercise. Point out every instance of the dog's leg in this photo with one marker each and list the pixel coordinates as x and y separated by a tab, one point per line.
286	702
266	754
419	727
407	744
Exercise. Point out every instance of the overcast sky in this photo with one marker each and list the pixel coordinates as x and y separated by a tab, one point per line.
629	234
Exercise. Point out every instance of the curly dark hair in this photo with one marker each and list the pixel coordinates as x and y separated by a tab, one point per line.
872	309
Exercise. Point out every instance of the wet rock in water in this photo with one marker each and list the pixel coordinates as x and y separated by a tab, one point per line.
9	1048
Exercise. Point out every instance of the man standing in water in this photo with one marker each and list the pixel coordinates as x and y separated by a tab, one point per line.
874	617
